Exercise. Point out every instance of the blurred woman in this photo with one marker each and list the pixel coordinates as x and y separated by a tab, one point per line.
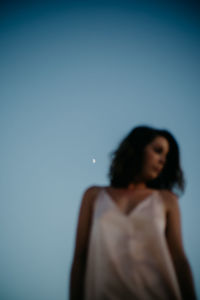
129	241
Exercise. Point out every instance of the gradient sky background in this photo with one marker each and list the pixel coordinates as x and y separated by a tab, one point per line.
76	77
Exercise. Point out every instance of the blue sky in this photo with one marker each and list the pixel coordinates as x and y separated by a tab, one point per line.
76	77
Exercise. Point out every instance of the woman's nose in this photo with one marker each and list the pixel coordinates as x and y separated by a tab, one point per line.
162	160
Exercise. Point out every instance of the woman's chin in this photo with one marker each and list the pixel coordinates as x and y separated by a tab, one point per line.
152	177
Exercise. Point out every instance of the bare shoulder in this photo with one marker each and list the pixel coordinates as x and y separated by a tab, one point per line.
169	199
90	194
84	221
168	194
92	190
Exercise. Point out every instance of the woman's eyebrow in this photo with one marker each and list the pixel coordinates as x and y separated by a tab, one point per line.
161	147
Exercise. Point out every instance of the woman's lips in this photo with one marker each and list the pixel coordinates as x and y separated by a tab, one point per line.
157	169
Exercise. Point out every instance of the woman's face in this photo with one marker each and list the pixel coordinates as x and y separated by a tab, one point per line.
155	154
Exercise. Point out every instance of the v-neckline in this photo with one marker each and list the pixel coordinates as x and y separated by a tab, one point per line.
134	209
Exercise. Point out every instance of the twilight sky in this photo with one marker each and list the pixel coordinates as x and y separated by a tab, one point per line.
76	77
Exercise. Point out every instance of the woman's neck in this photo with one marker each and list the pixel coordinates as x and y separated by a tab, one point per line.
137	186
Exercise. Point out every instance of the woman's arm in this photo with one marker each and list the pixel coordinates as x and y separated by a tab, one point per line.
175	244
81	245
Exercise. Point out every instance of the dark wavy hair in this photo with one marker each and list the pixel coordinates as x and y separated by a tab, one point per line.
127	160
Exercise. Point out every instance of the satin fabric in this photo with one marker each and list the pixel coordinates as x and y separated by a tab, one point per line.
128	257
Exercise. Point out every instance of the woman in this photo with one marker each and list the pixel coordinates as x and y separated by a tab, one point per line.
129	243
